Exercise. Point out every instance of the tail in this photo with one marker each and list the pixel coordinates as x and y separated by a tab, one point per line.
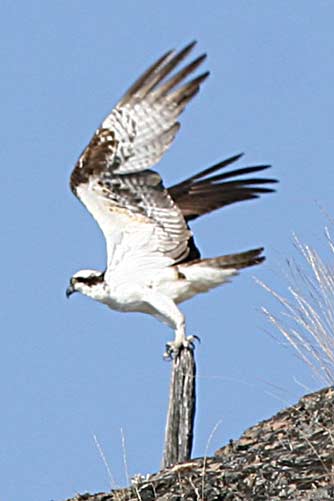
201	275
230	261
203	193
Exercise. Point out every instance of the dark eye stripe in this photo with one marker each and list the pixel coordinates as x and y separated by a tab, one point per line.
92	280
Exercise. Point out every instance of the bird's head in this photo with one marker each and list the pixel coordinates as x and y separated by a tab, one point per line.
85	281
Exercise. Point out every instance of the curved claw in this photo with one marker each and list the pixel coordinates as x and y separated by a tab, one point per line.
173	348
168	355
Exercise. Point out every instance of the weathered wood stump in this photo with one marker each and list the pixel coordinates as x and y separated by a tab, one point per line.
181	409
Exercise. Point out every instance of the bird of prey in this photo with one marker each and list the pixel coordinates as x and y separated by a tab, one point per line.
153	263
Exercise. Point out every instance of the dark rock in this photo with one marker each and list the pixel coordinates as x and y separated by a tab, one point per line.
287	457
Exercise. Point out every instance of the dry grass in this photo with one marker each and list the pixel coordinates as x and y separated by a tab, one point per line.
213	431
113	484
307	318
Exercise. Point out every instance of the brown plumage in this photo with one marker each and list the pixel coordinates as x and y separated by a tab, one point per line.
156	73
203	193
236	261
152	260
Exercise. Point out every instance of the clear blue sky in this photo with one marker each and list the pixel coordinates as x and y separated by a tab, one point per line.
71	369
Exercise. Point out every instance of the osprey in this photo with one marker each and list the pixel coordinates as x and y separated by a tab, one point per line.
153	262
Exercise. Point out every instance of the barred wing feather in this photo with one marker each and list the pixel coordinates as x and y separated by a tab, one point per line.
143	226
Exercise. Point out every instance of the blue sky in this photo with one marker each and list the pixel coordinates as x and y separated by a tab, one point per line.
72	369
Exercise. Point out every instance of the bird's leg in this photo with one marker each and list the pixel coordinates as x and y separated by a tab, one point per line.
181	341
166	310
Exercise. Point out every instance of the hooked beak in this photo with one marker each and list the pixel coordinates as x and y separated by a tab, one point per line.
69	291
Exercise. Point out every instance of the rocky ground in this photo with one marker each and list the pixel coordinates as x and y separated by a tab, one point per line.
287	457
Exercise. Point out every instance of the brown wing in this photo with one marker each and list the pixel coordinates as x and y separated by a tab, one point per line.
138	131
111	178
203	192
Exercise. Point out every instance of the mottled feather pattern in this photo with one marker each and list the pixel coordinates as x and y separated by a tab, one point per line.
143	194
99	156
143	135
110	177
129	201
152	111
152	260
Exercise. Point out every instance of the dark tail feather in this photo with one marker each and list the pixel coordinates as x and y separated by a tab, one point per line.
231	261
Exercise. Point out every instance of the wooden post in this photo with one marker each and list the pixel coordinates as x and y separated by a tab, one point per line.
181	409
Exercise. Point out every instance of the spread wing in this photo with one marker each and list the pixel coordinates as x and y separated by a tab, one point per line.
143	226
203	192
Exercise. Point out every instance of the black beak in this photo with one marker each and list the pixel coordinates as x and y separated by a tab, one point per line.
69	291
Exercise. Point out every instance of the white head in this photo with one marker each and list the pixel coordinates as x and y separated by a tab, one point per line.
85	281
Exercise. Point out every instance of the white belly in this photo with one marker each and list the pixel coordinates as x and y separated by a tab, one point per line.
131	296
173	284
184	282
177	283
132	302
